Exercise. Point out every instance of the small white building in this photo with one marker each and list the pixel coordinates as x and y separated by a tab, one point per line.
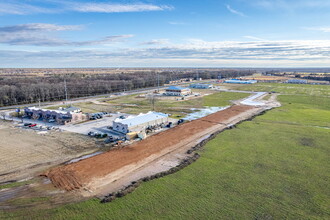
140	122
177	91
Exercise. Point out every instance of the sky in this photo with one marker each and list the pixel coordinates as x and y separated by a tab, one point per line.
164	33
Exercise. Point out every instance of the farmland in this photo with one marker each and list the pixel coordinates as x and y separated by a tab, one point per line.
273	167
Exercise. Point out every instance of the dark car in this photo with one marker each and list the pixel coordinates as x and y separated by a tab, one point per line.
27	124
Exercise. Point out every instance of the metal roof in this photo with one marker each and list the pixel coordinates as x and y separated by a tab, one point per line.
141	118
200	84
45	110
179	88
240	81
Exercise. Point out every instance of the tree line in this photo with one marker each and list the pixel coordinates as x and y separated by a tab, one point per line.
26	89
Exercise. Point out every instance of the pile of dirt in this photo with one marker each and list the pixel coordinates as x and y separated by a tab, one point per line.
79	175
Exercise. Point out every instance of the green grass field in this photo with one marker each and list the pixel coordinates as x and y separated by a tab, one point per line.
273	167
284	88
132	105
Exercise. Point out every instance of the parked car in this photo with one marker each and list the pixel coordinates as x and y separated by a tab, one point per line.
51	120
32	125
169	125
180	121
27	124
91	133
122	117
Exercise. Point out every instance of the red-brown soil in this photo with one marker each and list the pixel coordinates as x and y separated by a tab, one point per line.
78	175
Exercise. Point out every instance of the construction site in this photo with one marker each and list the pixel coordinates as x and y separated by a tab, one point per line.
93	169
111	167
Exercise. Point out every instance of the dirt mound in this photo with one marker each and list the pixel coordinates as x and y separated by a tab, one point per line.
80	174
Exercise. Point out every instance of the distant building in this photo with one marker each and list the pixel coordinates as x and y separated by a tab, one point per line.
139	123
71	109
201	86
237	81
177	91
63	116
297	81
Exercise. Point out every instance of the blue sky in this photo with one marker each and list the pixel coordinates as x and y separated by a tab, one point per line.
165	33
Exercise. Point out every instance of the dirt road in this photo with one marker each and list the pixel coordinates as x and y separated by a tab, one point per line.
114	165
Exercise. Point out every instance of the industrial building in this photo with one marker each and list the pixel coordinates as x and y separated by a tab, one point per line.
140	122
62	116
297	81
177	91
238	81
201	86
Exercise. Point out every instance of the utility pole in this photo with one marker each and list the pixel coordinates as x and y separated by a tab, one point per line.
158	81
66	91
39	103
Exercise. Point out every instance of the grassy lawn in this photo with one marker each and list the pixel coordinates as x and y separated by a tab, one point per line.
289	89
15	184
273	167
131	104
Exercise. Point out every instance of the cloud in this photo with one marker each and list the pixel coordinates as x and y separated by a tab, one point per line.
115	8
39	27
38	34
156	42
254	38
21	8
235	11
24	7
194	52
323	29
106	40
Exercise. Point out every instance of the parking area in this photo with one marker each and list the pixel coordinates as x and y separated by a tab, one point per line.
99	126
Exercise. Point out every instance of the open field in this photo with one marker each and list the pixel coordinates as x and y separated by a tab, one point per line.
284	88
273	167
24	152
134	104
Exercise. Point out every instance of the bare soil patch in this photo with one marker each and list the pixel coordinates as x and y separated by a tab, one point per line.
24	152
116	164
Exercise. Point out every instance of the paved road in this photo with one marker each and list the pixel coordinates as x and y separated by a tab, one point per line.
81	99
